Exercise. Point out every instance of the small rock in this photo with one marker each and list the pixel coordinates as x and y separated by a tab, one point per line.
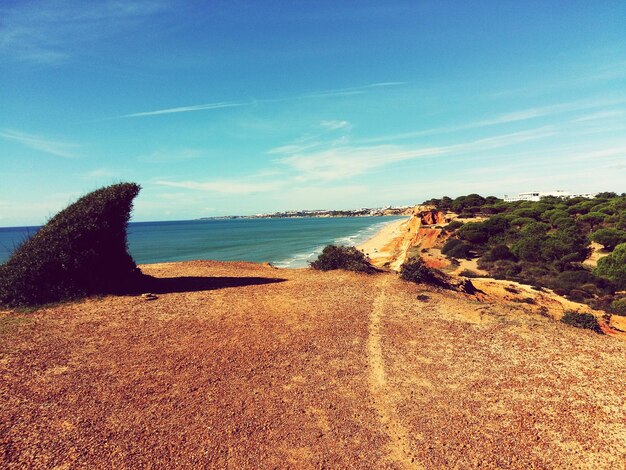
148	296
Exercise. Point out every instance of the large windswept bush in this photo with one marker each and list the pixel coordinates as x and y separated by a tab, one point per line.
342	257
81	251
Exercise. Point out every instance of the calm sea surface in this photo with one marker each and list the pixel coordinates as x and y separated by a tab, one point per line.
284	242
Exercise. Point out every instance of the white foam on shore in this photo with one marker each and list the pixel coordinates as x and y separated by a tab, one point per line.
302	260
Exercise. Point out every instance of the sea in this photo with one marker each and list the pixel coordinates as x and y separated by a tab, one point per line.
288	243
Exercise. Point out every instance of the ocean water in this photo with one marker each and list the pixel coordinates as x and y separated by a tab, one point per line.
288	243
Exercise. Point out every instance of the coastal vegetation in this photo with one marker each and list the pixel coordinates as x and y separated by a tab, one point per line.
414	270
80	251
545	242
582	320
342	257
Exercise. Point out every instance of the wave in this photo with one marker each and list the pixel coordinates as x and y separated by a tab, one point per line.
302	259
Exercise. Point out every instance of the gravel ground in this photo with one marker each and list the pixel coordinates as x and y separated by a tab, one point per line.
239	365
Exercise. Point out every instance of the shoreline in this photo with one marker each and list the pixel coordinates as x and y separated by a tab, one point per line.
382	247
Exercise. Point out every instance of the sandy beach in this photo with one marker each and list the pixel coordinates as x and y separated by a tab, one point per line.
383	247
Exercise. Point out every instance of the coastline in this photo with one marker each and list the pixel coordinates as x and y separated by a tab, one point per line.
383	247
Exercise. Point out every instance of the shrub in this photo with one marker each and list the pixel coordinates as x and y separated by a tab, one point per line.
564	222
474	232
416	271
527	212
499	252
582	320
521	221
568	280
613	266
342	257
593	219
553	215
450	244
618	307
452	226
81	251
608	237
462	250
469	273
496	225
527	249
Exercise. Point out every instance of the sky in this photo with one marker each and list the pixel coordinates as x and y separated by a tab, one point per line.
240	107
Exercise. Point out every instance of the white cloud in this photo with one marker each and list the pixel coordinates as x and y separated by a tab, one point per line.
334	125
60	149
346	162
342	162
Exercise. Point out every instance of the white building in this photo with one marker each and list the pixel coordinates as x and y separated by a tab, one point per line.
537	195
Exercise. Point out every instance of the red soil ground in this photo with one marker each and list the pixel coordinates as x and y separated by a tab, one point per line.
227	368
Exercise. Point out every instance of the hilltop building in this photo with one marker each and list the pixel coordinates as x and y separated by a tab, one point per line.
537	195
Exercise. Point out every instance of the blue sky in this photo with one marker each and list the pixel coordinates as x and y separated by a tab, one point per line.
240	107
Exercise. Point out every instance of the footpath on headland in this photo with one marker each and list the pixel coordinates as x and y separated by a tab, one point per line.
240	365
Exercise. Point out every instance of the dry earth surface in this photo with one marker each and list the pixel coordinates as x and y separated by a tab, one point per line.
239	365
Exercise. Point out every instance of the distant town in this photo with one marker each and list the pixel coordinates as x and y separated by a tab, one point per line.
362	212
391	210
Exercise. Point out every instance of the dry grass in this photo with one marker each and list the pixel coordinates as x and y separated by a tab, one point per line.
329	369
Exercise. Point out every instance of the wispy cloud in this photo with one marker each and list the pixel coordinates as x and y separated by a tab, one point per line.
599	115
506	118
49	33
357	90
311	141
60	149
185	109
343	162
334	125
223	186
254	102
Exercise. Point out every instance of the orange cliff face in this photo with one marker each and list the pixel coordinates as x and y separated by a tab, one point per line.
414	232
429	215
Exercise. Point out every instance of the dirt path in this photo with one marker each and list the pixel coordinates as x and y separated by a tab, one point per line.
399	447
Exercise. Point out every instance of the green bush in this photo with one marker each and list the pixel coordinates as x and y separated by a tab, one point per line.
593	219
499	252
568	280
582	320
618	307
450	244
521	221
608	237
527	249
81	251
452	226
342	257
474	232
613	266
416	271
